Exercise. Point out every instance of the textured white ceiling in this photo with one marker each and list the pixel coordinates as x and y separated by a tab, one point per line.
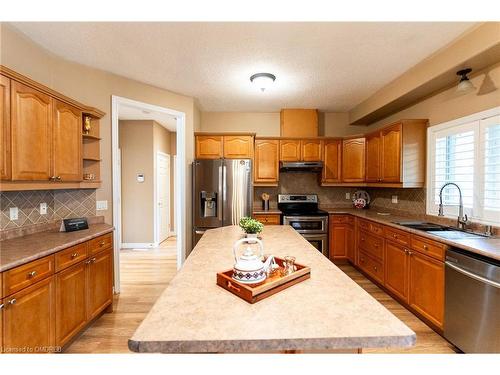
330	66
126	112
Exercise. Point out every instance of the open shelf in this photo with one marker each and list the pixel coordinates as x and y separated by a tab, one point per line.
91	158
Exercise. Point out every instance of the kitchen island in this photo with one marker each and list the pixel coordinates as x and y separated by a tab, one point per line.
328	312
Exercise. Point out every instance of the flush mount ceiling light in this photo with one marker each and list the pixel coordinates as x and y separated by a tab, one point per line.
464	84
263	80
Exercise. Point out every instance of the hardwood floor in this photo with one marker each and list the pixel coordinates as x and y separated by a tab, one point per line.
146	273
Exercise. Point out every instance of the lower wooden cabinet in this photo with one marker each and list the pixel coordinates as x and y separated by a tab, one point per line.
71	302
1	325
426	294
29	319
341	238
397	268
99	276
268	219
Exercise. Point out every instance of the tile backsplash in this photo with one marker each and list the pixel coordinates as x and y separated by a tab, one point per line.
409	200
61	204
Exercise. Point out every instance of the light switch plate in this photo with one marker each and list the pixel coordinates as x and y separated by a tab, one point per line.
13	213
394	199
43	208
347	195
101	205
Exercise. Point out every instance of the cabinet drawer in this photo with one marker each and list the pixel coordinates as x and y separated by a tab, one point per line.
371	266
371	244
70	256
428	247
100	243
268	219
28	274
372	227
347	219
396	235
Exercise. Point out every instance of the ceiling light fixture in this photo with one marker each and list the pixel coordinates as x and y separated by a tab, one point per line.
464	84
263	80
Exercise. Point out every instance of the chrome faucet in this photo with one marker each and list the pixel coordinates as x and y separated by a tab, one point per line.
462	220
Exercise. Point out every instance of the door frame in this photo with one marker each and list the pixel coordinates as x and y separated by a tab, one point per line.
156	198
181	168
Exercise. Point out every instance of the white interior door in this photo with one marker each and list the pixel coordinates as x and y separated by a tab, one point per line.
163	199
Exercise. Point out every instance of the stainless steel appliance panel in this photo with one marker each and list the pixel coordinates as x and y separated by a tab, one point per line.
197	234
472	303
208	193
237	190
307	224
319	241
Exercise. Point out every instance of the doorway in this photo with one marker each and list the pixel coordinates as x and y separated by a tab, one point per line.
165	193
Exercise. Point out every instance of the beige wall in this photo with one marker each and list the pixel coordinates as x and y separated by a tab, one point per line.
449	105
95	87
136	146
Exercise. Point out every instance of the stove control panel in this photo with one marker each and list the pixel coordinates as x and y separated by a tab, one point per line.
297	198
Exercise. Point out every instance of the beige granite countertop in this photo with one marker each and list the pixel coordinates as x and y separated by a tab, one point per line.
21	250
486	246
326	312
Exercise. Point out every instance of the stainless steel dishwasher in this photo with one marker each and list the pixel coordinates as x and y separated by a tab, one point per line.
472	302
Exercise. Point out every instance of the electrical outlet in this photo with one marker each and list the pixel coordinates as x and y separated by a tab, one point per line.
347	195
14	213
394	199
101	205
43	208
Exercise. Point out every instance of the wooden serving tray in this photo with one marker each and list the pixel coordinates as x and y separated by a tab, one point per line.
256	292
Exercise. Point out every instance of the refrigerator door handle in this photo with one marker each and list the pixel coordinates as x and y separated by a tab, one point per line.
220	196
224	192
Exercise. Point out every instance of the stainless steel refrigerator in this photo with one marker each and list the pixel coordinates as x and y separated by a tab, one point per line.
223	193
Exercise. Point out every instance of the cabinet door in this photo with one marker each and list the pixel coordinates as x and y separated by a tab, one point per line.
70	302
31	133
332	157
266	161
312	150
1	324
290	150
373	158
390	170
338	244
427	287
353	160
208	147
396	269
4	128
99	276
238	147
67	142
29	317
350	243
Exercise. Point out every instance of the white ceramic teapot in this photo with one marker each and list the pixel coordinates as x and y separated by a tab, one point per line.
249	268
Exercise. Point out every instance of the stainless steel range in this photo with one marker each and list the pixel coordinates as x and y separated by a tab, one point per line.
302	213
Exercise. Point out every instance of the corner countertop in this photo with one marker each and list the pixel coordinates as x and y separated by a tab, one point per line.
486	246
329	311
21	250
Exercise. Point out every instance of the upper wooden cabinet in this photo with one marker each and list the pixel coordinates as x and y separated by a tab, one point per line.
209	147
299	123
373	157
332	161
353	156
290	150
31	133
67	142
312	150
396	154
266	166
4	128
217	146
238	146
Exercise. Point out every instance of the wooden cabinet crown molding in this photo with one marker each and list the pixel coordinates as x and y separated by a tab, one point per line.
94	112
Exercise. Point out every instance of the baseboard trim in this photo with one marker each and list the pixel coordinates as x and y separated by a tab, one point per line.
140	245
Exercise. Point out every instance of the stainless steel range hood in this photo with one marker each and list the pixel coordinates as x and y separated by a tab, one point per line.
301	166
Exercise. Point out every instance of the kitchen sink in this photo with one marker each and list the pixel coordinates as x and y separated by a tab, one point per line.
440	230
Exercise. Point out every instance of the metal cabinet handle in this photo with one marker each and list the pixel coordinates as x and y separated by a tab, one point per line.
31	274
395	235
375	268
74	255
92	260
58	178
102	243
199	231
52	178
12	301
425	247
1	306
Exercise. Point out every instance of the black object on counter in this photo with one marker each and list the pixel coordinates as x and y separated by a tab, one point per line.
71	225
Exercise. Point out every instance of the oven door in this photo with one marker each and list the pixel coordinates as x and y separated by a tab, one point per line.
319	241
307	224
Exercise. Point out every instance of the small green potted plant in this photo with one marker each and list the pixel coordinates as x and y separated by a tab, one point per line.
251	227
